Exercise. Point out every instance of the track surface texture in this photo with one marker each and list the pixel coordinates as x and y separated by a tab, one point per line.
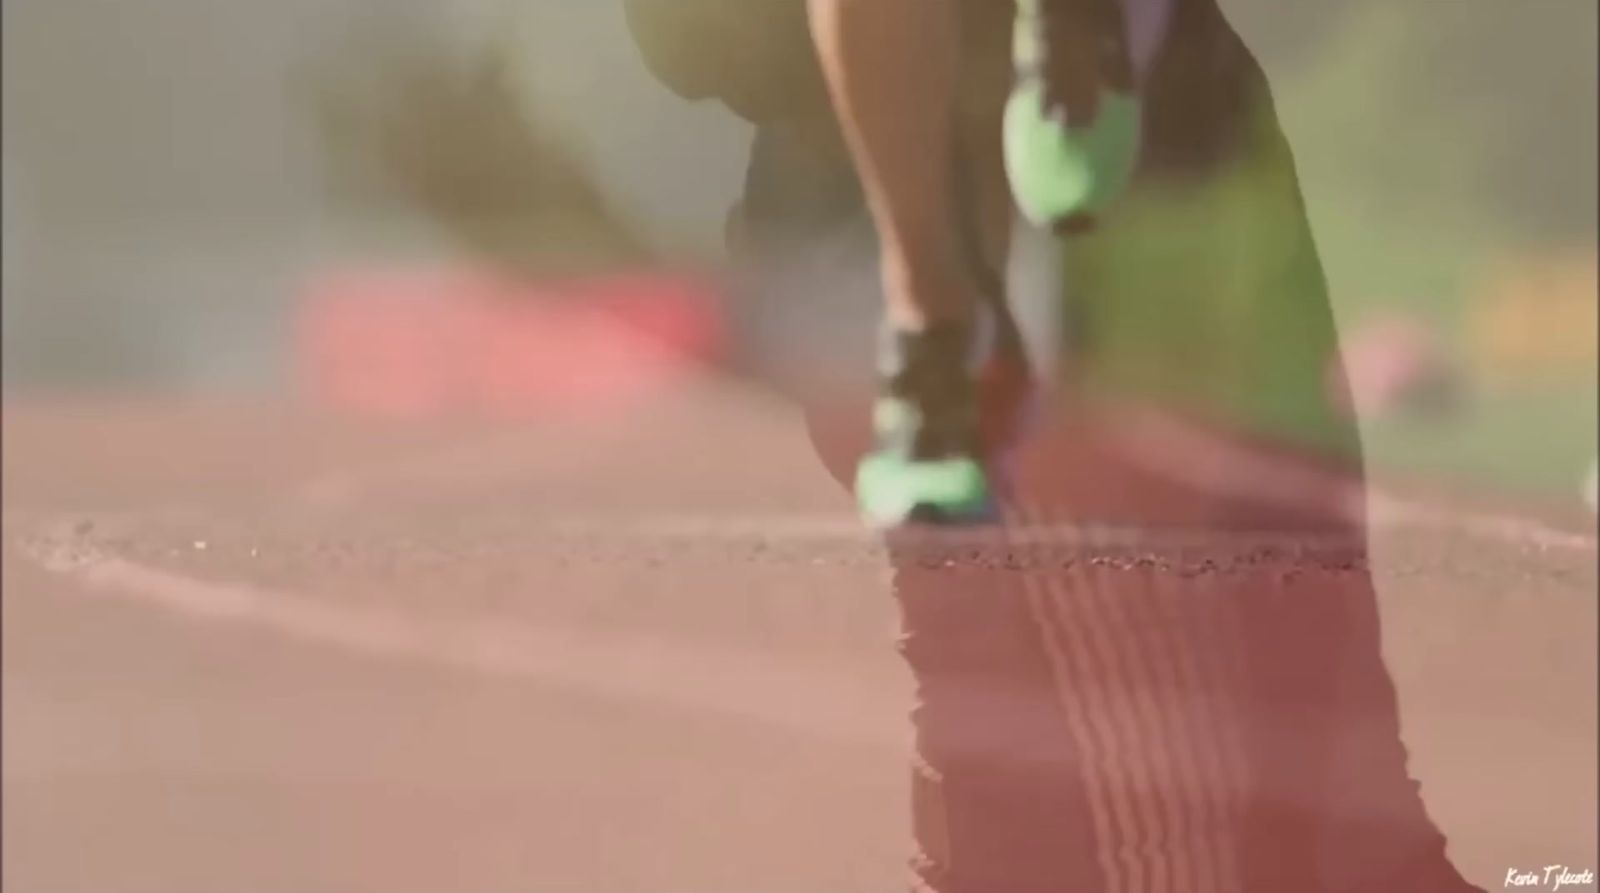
249	647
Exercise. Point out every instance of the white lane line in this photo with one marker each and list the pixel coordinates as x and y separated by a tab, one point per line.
833	702
1208	463
799	528
1398	512
1386	515
1211	463
832	529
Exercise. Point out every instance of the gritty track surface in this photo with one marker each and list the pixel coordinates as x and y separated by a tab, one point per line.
251	648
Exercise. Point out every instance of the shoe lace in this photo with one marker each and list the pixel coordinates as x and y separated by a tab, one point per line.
927	374
1084	49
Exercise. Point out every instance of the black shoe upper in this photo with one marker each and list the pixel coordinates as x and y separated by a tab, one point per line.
926	373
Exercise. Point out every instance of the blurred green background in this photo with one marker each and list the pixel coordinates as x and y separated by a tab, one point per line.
1448	154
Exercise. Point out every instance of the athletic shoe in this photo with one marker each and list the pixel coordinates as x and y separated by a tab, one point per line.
1073	121
926	465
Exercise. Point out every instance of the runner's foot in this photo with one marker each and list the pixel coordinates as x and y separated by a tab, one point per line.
926	465
1073	122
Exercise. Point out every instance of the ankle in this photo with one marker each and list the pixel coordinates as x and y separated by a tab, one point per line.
927	365
924	295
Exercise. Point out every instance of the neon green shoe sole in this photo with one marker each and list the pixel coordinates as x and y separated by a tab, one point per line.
1060	173
891	490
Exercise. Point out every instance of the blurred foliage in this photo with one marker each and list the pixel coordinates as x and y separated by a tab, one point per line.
1448	156
407	116
1450	153
1463	131
1490	106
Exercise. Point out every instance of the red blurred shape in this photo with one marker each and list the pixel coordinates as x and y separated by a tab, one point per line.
428	343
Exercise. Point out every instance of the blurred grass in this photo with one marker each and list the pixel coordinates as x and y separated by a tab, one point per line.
1447	154
1463	194
1207	296
1533	443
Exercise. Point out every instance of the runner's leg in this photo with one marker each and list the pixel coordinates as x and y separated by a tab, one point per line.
891	68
